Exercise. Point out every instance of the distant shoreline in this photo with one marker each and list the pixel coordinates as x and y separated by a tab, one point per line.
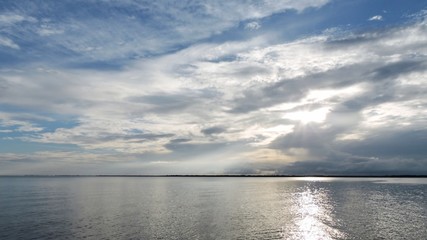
231	175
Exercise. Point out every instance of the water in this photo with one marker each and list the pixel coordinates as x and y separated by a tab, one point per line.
212	208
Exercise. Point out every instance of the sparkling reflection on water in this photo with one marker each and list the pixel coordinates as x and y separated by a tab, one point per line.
212	208
314	216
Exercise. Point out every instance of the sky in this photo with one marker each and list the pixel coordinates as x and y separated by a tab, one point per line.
213	87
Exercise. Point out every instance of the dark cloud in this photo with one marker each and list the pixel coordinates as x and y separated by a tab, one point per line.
388	148
215	151
396	69
293	90
19	160
349	164
385	150
179	140
213	130
194	148
4	85
164	102
254	99
333	163
303	136
109	137
349	41
147	136
98	65
247	170
389	143
356	166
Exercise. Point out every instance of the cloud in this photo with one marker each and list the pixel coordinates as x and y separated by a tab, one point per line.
331	102
253	25
8	43
7	19
48	31
162	27
17	125
376	18
362	117
194	99
173	102
395	69
213	130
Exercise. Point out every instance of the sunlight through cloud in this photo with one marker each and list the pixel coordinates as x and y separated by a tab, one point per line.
316	116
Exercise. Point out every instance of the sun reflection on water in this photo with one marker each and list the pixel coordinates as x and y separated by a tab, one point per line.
314	218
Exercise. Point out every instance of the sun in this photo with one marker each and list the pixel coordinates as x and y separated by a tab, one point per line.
317	116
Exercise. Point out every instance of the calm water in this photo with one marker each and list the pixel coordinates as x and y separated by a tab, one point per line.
212	208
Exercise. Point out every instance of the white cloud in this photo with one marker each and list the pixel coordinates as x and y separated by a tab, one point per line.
398	114
48	31
376	18
4	41
253	26
8	19
20	122
21	126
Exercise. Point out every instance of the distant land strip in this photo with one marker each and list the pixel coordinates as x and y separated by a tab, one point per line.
229	175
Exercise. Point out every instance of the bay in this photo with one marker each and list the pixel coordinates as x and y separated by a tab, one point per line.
212	208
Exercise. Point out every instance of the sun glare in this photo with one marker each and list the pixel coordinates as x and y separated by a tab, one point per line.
316	116
315	216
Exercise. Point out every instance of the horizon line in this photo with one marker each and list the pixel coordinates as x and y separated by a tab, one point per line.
224	175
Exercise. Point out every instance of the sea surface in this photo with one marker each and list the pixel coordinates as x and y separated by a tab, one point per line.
212	208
